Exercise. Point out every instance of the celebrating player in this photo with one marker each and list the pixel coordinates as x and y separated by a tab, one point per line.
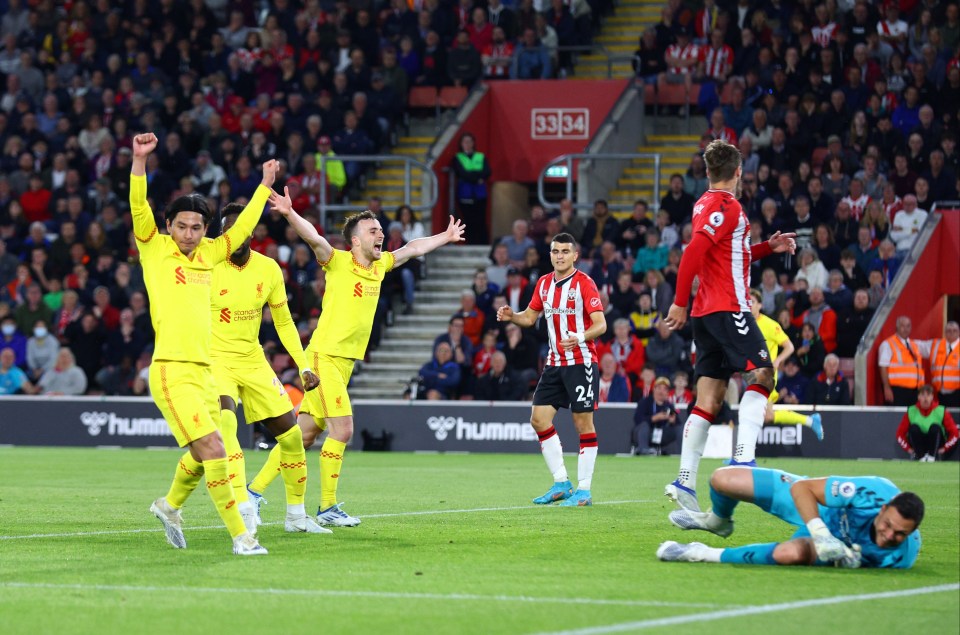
353	288
775	337
850	522
177	272
724	330
571	303
241	286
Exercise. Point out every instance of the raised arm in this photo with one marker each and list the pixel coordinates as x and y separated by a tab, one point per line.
282	204
287	330
251	214
422	246
144	224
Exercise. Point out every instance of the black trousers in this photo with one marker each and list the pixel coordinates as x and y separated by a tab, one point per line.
924	443
474	215
643	431
905	397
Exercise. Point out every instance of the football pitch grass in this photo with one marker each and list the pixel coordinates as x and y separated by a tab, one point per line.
448	544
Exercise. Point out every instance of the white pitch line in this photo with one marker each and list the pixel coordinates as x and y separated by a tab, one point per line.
697	618
429	512
345	593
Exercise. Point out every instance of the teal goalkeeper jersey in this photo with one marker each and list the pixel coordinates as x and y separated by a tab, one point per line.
853	503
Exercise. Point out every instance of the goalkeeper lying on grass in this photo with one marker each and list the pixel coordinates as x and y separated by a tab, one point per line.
850	522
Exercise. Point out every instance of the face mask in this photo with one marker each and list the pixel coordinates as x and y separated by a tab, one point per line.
8	329
40	332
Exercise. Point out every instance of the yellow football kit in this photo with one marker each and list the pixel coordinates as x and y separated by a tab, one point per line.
179	290
349	303
237	296
775	337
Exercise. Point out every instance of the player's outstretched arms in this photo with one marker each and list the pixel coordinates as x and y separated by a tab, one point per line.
251	214
422	246
284	205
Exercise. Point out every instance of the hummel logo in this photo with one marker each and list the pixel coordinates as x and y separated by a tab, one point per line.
741	323
223	292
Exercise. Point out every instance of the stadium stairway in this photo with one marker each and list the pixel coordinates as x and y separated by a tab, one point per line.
620	36
408	344
637	179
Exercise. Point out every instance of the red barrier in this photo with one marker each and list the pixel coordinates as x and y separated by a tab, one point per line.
521	125
923	298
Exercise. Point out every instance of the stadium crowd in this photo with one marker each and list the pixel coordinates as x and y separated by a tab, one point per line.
845	112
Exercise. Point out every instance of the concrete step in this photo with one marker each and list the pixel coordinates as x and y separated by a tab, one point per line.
628	182
436	321
390	384
616	38
375	392
412	332
407	347
380	356
427	297
689	139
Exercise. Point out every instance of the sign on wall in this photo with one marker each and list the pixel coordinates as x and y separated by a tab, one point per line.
559	123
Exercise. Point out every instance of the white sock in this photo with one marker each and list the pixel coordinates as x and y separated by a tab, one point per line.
695	433
752	407
246	507
712	554
586	460
553	454
296	511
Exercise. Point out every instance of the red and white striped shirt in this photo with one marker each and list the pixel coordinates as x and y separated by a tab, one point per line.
566	306
856	206
688	52
716	62
725	271
891	208
823	33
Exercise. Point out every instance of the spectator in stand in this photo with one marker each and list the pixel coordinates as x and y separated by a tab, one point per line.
772	294
680	395
12	338
901	364
852	324
441	375
601	227
853	276
648	59
518	242
681	59
484	291
830	387
518	290
666	351
719	128
877	222
12	379
927	431
792	384
907	225
811	269
498	55
42	351
843	226
821	317
473	318
483	355
655	421
606	267
645	318
497	272
677	203
759	131
623	297
945	366
464	66
626	348
695	181
460	345
857	199
837	295
570	221
661	293
613	385
810	351
653	256
823	243
531	59
499	383
65	378
33	310
522	353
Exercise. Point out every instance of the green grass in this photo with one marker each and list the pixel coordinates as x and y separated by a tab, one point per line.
515	569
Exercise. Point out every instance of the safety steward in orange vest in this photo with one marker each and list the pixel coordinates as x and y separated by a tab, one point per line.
901	364
945	366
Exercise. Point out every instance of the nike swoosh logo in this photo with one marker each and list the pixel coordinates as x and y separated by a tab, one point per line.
223	292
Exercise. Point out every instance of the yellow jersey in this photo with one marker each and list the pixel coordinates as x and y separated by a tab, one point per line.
349	302
773	335
179	286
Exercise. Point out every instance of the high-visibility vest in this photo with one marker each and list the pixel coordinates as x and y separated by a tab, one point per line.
925	422
906	368
944	367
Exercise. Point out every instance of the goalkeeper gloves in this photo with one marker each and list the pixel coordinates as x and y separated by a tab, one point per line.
850	562
829	548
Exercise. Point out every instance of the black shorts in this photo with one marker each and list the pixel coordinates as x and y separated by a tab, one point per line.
728	343
576	387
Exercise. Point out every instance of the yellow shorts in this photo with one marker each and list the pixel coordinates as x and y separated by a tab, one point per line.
330	398
254	384
182	392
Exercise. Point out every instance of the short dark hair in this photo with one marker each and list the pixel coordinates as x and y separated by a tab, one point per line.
350	225
910	506
564	237
230	209
722	160
188	203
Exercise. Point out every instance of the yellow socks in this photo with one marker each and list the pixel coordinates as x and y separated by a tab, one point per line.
185	480
331	461
269	471
218	485
781	417
236	466
293	464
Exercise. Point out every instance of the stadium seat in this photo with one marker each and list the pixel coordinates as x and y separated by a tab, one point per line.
452	96
726	95
423	97
672	95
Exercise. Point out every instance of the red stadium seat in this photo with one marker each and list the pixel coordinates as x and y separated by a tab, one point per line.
423	97
452	96
672	95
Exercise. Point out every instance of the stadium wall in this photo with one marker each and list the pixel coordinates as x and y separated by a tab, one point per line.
521	125
418	426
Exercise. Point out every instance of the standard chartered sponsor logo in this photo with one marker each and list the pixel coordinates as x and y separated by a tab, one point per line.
109	422
480	430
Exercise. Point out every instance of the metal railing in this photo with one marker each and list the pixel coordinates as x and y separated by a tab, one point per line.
882	314
408	164
569	159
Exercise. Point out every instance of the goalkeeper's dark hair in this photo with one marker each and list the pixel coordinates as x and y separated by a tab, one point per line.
564	237
350	225
230	209
910	506
188	203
